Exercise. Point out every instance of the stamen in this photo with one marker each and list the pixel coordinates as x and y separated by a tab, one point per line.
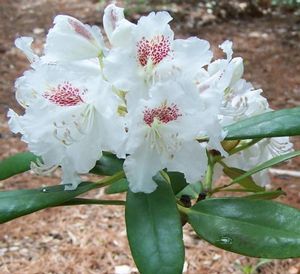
155	49
163	113
65	95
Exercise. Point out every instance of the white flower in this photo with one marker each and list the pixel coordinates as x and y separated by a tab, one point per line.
240	101
70	118
222	73
150	54
71	40
263	151
162	134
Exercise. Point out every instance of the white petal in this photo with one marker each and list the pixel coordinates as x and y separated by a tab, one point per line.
140	167
238	70
24	44
226	46
71	40
191	160
120	67
191	54
112	16
14	122
70	178
155	24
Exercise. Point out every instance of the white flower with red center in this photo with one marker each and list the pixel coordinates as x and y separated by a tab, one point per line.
71	40
70	118
162	133
149	54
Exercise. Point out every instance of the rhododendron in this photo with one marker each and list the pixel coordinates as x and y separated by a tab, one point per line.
163	120
67	113
149	54
162	133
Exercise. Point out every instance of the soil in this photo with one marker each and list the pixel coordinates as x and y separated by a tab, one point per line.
92	239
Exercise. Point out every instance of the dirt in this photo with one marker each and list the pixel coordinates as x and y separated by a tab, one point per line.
92	239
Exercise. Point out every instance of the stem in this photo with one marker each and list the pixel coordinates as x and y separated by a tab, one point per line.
244	146
183	209
209	173
221	188
109	180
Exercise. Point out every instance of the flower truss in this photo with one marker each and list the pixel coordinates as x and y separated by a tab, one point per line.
145	95
163	109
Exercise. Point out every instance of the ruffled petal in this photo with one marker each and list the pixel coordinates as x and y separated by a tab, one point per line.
140	167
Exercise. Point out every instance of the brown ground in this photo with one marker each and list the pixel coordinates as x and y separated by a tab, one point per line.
92	239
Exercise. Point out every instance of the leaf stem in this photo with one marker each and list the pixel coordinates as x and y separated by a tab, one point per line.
244	146
109	180
207	184
182	209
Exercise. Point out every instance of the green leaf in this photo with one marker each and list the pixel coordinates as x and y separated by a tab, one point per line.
17	203
267	195
191	190
283	122
256	228
154	231
16	164
178	181
108	164
267	164
83	201
117	187
247	182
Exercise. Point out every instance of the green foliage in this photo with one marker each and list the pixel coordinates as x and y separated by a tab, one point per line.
109	164
18	203
178	181
117	187
256	228
284	122
266	195
246	182
154	231
267	164
16	164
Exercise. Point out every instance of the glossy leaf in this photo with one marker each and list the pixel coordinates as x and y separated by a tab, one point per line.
251	227
283	122
16	164
108	164
84	201
266	195
154	231
177	180
191	190
117	187
17	203
246	183
267	164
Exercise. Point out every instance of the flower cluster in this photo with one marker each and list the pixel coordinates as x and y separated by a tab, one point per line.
138	93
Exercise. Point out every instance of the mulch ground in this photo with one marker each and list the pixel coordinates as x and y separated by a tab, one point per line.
92	239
